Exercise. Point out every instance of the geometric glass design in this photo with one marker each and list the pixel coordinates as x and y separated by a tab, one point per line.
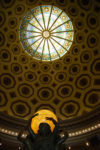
46	33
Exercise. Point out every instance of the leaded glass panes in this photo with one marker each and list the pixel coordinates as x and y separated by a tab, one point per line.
46	33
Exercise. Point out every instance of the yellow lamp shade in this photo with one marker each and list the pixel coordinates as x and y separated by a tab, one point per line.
41	118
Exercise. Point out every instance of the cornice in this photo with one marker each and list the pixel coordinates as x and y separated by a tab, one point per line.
89	123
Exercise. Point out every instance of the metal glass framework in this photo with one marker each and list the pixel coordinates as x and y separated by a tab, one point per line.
46	33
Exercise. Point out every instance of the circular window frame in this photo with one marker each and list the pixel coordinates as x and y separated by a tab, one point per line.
55	37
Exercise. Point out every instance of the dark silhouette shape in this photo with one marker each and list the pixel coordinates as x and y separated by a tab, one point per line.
45	139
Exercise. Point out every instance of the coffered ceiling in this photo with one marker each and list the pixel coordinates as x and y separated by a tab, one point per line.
69	86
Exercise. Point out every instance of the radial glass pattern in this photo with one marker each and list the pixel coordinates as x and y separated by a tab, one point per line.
46	32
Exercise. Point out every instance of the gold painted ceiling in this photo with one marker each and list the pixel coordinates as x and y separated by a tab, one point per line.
69	86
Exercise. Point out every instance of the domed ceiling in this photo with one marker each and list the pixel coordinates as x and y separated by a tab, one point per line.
46	32
70	85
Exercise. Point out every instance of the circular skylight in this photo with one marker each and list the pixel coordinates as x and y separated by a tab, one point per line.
46	33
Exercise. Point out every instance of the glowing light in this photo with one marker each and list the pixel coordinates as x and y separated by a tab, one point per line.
99	125
69	147
41	118
19	148
46	33
87	143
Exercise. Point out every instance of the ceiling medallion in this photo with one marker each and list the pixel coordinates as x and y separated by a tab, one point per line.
46	33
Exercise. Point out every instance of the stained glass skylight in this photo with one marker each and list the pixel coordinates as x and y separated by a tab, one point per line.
46	32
